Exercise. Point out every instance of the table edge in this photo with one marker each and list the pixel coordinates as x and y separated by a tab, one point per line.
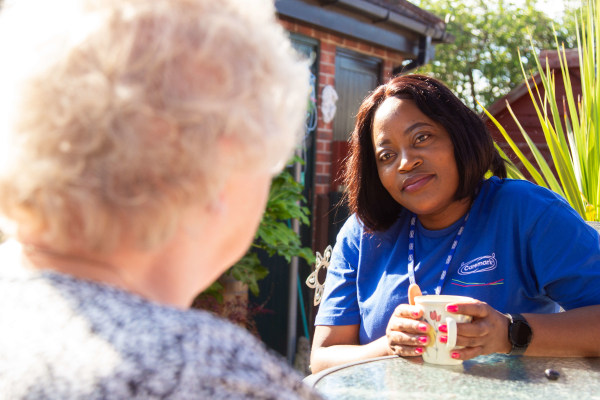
313	379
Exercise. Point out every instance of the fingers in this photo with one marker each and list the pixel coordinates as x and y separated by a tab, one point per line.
486	334
477	309
467	353
408	336
405	351
408	311
406	344
413	291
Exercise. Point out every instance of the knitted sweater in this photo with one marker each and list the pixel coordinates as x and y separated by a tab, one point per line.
67	338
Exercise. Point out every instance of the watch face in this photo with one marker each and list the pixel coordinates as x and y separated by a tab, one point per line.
520	333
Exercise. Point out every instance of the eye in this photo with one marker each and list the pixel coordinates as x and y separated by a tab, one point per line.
384	156
422	137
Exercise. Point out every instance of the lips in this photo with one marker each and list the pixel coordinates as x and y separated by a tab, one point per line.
416	182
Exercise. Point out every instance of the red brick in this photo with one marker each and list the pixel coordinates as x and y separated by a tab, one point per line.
323	157
327	58
326	79
322	179
329	79
325	134
327	69
323	145
326	127
379	52
367	48
325	39
328	47
336	39
306	30
285	24
350	43
321	189
323	169
321	34
327	55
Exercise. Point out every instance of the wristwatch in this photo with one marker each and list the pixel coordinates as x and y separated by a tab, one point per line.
519	334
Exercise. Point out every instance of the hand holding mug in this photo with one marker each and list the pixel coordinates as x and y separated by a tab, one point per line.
407	335
443	339
486	334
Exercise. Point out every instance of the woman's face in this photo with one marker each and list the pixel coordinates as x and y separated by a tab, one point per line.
415	162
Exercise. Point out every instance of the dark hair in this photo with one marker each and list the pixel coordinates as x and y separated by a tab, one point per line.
474	149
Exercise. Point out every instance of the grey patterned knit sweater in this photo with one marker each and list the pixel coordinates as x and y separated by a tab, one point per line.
65	338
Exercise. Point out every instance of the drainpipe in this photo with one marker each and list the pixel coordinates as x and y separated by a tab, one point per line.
423	58
292	324
378	14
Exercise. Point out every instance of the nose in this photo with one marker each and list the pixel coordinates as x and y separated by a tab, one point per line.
409	160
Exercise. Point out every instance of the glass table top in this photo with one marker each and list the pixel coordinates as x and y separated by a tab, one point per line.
484	377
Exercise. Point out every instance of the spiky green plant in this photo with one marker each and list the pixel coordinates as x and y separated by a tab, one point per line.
574	146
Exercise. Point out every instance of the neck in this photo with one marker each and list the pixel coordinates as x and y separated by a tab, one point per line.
172	273
80	265
131	271
448	216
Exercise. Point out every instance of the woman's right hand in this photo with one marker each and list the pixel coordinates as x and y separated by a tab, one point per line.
407	336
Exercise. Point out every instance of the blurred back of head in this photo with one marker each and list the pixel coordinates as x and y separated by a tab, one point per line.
118	114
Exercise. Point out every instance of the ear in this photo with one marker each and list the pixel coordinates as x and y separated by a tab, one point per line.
218	205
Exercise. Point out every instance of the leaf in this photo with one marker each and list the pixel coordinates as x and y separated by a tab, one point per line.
530	168
574	147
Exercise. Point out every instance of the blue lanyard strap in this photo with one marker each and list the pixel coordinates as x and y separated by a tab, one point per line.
411	252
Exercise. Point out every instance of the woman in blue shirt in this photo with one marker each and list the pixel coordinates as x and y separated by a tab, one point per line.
416	169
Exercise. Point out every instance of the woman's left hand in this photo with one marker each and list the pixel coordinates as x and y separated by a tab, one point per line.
487	333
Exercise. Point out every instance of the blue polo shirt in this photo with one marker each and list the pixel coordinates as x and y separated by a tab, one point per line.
523	250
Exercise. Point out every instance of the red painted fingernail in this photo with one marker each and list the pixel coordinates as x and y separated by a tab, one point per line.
444	339
443	328
423	327
423	339
452	308
419	350
454	355
415	313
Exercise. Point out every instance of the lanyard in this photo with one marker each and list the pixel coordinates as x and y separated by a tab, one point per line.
411	252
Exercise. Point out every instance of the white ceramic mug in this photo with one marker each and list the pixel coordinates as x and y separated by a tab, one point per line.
435	314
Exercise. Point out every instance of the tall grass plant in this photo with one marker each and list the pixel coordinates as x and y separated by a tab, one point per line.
573	136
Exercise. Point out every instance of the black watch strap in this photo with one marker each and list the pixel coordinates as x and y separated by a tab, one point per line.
519	334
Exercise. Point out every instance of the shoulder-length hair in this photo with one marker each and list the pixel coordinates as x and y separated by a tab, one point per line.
474	150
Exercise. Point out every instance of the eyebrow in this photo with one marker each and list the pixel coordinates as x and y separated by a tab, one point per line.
415	126
408	130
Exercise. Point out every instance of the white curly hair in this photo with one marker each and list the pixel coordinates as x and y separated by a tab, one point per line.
117	114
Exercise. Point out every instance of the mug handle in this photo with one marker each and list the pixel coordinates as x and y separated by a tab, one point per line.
452	333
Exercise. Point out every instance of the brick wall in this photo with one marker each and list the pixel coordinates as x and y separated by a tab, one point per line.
328	43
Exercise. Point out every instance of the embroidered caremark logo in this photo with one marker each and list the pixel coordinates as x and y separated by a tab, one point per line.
480	264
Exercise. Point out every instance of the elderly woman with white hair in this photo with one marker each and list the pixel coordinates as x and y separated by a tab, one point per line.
138	139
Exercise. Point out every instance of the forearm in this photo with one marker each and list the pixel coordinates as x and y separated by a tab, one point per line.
325	357
574	333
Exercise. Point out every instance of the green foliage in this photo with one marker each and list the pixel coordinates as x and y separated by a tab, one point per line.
574	147
275	234
483	63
